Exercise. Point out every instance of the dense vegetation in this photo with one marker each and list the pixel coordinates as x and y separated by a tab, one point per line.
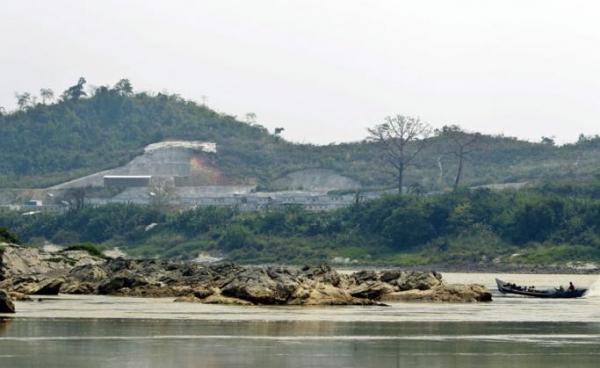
8	236
554	223
44	143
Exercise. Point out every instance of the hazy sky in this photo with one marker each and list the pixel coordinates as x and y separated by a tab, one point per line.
325	69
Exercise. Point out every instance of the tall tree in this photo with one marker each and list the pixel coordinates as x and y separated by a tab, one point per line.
47	95
462	145
401	139
75	92
124	87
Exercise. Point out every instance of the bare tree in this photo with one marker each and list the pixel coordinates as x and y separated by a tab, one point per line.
441	170
401	139
462	145
47	95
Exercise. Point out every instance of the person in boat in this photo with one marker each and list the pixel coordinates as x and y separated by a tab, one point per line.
561	288
571	286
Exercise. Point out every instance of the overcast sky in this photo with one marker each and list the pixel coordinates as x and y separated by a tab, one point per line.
325	69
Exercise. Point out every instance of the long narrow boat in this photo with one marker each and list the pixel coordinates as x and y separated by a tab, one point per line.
509	288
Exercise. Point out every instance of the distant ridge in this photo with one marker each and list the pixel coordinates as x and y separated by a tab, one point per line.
49	145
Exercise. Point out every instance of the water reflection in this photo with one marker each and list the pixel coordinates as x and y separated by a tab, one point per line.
4	322
174	343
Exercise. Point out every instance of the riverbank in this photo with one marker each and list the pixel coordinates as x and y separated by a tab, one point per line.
474	267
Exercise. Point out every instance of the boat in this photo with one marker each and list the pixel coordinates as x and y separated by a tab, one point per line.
510	288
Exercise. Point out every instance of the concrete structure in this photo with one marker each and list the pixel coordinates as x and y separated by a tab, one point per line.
193	145
33	203
165	159
126	181
315	180
180	173
240	197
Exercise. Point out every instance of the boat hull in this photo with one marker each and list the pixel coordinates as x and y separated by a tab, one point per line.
504	288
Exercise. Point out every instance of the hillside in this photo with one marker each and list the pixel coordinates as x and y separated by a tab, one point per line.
46	144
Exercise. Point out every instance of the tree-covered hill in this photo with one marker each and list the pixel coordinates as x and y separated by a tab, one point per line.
43	144
50	142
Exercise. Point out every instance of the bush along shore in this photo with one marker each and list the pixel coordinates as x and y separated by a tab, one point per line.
26	271
552	227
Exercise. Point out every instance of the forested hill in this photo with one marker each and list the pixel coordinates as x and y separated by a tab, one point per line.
44	144
80	133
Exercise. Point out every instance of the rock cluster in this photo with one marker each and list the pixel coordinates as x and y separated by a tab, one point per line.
223	283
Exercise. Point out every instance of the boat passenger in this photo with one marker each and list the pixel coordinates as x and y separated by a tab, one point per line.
571	286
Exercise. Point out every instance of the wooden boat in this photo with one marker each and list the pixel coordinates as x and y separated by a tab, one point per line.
509	288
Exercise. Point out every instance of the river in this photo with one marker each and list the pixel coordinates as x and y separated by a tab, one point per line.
99	331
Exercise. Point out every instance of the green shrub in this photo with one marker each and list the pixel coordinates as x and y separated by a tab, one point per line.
8	236
87	247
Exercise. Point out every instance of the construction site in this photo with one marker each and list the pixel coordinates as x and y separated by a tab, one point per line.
179	174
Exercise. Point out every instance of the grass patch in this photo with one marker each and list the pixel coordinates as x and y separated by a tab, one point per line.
92	249
560	254
410	259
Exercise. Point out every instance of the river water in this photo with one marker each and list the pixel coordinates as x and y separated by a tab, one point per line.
98	331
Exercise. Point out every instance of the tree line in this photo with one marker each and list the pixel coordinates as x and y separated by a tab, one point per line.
553	223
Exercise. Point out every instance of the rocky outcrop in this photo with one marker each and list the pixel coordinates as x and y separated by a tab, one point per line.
17	261
6	304
226	283
448	293
50	287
